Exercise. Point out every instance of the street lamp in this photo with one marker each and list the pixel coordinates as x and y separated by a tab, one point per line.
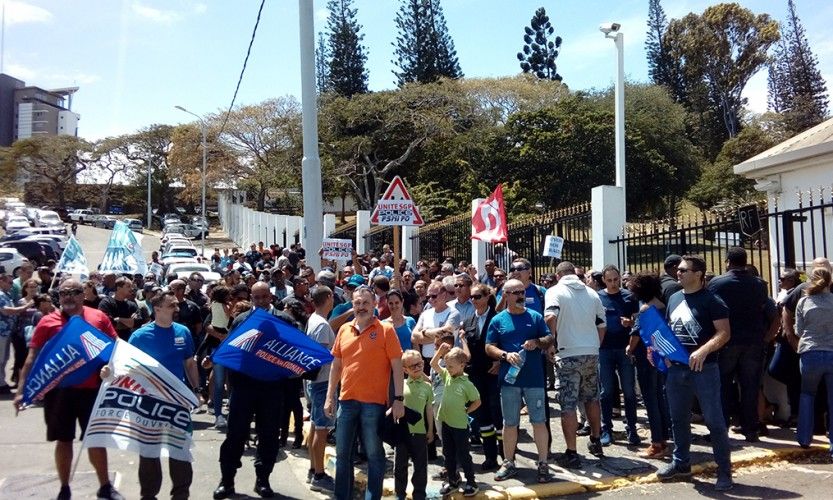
204	220
611	30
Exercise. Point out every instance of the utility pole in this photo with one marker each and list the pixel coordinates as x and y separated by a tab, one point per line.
150	211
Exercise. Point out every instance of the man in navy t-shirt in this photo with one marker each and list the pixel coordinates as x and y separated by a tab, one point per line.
511	331
171	344
620	307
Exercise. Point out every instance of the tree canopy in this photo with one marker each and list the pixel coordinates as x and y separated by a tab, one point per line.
540	47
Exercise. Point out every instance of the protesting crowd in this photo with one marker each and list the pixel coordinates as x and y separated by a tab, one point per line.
433	358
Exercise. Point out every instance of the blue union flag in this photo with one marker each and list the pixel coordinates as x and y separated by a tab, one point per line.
656	334
268	348
69	358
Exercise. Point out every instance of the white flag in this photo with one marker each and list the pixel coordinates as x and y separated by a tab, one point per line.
73	260
142	408
124	253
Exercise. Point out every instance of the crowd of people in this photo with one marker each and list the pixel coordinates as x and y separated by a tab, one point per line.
437	355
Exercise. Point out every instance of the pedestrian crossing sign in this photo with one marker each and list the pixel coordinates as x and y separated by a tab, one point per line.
396	207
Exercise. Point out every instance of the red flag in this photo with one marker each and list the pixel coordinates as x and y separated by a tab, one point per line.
488	222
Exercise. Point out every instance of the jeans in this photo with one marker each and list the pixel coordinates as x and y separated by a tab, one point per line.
415	448
219	376
456	452
354	417
150	478
815	367
682	385
746	364
611	363
652	385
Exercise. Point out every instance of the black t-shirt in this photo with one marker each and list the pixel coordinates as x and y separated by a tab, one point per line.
119	309
617	305
189	315
746	297
691	316
668	286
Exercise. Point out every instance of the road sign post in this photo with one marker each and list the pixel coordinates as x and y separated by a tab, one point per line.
396	208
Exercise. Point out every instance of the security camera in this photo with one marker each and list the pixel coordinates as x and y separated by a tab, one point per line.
608	28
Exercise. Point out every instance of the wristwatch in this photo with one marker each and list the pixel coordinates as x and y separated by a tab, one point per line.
503	356
399	398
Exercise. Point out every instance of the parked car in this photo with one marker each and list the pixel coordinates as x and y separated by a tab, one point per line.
11	260
16	223
31	213
105	221
182	249
171	219
53	244
48	218
32	250
81	216
135	225
186	268
53	230
189	230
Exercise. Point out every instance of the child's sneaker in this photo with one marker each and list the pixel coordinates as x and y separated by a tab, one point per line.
449	487
470	489
544	475
507	470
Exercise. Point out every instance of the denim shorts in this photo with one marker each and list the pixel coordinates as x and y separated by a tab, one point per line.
510	404
318	396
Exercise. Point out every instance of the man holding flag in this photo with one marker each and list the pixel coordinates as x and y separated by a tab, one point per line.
171	345
64	406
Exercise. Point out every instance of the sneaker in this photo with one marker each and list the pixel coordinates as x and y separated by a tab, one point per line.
220	423
65	493
107	492
470	489
595	447
441	475
656	450
673	471
606	438
544	474
310	475
507	470
569	460
583	430
449	487
633	438
724	481
323	484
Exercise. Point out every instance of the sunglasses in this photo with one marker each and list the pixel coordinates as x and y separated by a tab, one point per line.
70	293
461	286
433	296
516	292
500	276
476	296
682	270
518	268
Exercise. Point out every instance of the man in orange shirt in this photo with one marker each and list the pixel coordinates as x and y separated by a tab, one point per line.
366	351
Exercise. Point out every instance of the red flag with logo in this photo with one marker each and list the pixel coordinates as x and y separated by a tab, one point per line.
488	222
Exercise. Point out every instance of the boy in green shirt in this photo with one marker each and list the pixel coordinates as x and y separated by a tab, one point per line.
418	397
459	398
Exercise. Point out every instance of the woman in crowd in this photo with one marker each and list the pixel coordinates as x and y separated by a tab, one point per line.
814	329
403	325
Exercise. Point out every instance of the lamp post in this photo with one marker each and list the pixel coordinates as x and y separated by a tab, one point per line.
204	220
611	31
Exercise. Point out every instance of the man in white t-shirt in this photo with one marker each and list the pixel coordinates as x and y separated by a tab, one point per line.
319	330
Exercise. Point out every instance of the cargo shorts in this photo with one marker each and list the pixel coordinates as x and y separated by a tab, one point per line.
576	380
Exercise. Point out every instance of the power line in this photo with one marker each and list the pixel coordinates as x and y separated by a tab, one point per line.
242	71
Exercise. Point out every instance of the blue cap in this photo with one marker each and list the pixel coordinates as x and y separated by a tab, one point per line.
355	280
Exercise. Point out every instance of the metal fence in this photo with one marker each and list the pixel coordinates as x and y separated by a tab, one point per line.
346	232
451	238
786	238
377	237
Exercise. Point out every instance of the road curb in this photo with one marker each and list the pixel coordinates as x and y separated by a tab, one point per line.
564	488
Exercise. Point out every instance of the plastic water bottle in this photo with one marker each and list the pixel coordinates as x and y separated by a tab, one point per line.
513	372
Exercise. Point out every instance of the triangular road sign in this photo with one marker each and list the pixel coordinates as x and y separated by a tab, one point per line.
396	207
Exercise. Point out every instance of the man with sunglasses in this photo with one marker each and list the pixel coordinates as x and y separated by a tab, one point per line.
521	269
195	293
64	406
700	321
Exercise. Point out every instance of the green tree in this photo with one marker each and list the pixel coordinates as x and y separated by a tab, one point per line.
718	181
51	160
796	87
720	51
423	50
322	65
662	67
347	58
150	146
540	48
185	158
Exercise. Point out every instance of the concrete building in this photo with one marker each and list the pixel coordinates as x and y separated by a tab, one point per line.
28	111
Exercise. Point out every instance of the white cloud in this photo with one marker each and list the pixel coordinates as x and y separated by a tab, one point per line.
591	48
20	12
155	15
322	14
200	8
20	72
73	78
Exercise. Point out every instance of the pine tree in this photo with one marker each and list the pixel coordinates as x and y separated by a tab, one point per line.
539	52
322	65
796	87
424	49
662	68
347	75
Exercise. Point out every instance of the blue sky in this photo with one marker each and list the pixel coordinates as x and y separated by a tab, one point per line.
136	59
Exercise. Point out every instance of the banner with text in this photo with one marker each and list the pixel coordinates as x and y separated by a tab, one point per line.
142	408
337	249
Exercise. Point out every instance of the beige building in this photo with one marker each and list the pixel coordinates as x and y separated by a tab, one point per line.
29	111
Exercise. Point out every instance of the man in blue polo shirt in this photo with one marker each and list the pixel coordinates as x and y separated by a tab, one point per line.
171	344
